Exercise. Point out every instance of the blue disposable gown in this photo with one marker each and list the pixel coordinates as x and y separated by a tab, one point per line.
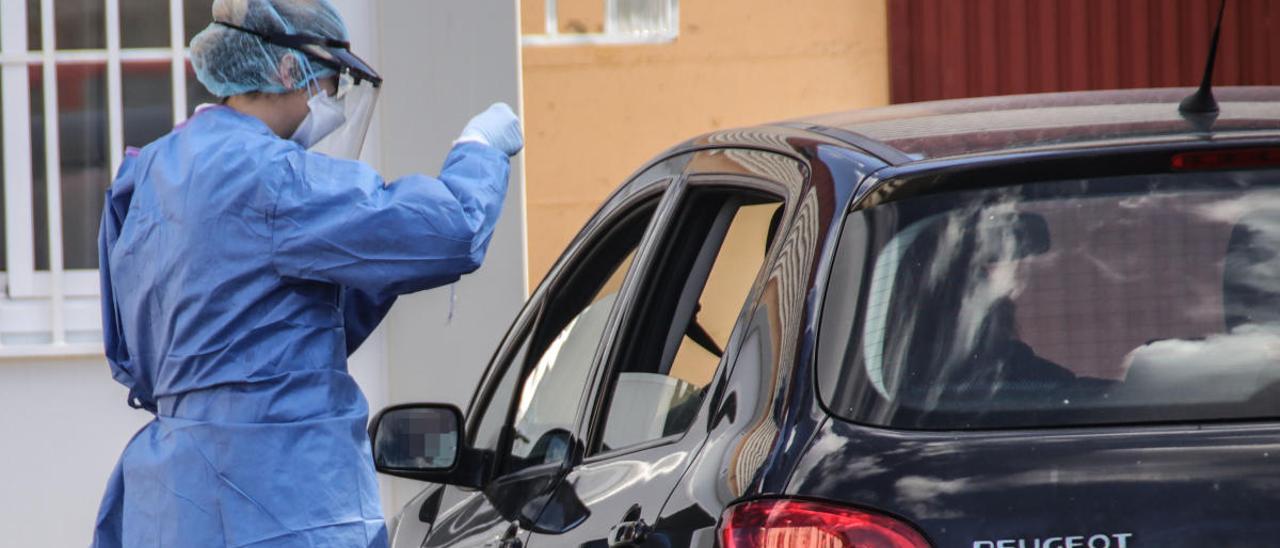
238	273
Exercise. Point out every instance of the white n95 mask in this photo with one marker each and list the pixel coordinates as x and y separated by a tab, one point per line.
327	115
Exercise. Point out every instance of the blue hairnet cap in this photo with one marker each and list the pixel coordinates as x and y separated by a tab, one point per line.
232	62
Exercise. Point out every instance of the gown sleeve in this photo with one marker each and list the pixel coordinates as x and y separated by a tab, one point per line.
337	221
116	207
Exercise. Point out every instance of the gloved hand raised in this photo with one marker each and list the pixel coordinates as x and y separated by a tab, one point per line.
497	126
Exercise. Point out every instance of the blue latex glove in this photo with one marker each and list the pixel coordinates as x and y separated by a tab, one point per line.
498	127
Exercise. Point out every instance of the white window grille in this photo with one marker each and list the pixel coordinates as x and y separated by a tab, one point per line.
625	22
79	81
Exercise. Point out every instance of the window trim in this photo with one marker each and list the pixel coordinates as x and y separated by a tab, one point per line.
58	287
593	422
617	220
602	456
655	194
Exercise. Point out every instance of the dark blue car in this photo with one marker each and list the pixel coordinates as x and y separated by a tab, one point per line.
1046	321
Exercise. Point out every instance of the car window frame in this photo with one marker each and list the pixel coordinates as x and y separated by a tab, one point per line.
562	290
658	190
593	419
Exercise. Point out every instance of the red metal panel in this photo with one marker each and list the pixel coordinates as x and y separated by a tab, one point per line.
1254	55
954	45
951	48
1044	27
1273	47
984	21
929	79
1012	36
1136	67
1108	66
1194	47
1165	51
1229	46
1074	33
901	82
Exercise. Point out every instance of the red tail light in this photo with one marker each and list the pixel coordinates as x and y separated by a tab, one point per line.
792	523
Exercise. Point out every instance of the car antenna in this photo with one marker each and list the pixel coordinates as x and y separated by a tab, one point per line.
1202	102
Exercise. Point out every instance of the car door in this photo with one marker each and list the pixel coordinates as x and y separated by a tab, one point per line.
649	411
526	414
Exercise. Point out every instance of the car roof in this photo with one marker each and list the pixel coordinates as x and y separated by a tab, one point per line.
907	133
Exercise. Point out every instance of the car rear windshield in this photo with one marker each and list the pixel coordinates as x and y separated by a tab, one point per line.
1135	299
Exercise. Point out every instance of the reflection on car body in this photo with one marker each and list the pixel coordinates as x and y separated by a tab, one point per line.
1035	321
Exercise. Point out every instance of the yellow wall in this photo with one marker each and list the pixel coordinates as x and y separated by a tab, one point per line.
594	114
739	260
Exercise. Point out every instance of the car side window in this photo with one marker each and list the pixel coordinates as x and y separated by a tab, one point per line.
703	276
564	347
489	430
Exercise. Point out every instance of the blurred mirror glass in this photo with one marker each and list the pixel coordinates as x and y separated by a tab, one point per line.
418	439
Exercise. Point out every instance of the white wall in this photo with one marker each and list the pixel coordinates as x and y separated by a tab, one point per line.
64	422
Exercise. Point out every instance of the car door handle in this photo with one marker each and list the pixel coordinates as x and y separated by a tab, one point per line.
629	533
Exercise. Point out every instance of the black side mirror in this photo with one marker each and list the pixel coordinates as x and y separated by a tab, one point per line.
425	442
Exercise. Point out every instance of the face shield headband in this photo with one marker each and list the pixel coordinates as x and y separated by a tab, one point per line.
334	53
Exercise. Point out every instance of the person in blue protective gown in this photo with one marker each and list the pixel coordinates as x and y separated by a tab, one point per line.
241	266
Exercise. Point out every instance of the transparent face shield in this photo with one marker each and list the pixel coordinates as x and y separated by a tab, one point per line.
358	99
358	87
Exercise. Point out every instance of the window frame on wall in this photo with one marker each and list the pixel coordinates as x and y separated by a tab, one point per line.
59	298
621	26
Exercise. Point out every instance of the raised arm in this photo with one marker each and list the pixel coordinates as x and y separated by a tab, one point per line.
337	221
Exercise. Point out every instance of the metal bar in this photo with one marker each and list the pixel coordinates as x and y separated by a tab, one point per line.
87	56
551	18
15	100
178	53
115	94
673	18
610	16
53	174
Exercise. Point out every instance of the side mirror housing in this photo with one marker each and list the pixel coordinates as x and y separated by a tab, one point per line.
425	442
